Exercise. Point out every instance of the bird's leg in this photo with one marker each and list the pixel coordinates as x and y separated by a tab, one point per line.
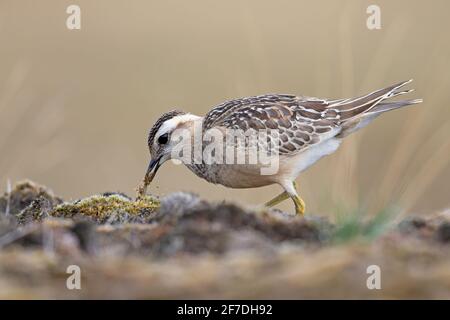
299	205
298	202
278	199
291	192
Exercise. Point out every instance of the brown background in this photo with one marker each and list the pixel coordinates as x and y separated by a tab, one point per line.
75	106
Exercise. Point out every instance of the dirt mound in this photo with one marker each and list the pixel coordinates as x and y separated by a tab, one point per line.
184	247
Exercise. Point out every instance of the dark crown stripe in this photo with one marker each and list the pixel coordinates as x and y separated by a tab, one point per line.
166	116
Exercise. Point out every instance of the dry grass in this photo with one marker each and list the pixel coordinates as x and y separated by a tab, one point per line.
420	149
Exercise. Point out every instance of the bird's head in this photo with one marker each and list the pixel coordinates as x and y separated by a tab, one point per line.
160	142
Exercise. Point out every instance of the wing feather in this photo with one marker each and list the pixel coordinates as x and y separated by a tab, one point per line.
300	121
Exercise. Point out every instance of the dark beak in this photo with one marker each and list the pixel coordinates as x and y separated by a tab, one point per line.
152	169
149	175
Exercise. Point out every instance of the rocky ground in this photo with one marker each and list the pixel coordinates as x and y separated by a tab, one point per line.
184	247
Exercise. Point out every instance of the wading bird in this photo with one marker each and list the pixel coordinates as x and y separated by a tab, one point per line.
308	128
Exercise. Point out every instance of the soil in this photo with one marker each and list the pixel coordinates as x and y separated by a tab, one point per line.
181	246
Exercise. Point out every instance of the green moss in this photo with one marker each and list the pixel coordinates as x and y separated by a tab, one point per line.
103	208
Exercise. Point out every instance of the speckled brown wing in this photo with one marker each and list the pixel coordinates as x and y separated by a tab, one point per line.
300	121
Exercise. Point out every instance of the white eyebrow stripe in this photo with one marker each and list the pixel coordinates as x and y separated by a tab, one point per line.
171	124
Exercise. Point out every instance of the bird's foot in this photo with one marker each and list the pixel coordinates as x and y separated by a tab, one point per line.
299	205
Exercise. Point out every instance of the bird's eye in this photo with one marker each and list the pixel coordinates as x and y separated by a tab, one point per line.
163	138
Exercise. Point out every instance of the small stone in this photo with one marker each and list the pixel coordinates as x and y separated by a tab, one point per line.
443	232
412	224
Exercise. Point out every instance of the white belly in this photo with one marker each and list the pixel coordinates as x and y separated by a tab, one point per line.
290	167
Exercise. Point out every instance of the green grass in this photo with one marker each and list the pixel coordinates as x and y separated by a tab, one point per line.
355	225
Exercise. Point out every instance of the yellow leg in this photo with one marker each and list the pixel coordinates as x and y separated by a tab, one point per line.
278	199
299	205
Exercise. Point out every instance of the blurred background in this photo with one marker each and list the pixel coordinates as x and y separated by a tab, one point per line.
76	105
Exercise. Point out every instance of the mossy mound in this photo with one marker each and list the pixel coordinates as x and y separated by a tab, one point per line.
110	208
30	202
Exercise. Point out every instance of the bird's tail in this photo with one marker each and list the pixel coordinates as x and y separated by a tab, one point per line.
388	106
358	112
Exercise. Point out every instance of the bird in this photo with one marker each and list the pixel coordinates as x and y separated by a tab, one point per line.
308	129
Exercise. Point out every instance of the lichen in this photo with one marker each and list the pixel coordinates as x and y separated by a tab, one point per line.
109	208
